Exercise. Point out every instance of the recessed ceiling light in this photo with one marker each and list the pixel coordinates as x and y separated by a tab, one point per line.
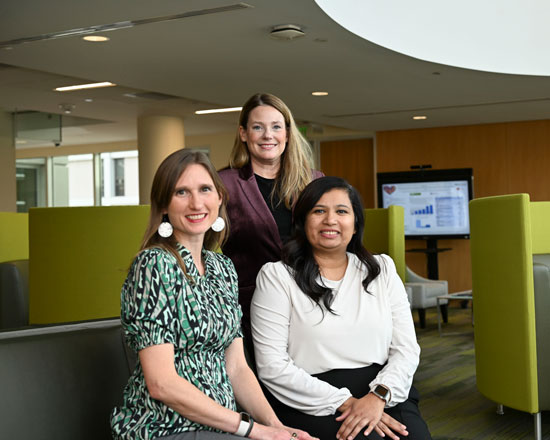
96	38
88	100
85	86
67	108
420	117
319	93
219	110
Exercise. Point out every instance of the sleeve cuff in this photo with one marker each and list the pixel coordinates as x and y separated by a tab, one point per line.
346	394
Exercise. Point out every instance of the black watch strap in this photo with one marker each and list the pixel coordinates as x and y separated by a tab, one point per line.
245	425
249	426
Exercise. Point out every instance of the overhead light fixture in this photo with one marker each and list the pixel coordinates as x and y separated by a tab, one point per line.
286	32
218	110
67	108
96	38
123	24
88	100
420	117
85	86
319	93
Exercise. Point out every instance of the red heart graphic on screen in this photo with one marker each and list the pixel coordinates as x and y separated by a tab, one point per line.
389	189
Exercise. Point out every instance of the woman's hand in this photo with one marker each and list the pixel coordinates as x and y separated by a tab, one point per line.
264	432
388	426
299	434
358	413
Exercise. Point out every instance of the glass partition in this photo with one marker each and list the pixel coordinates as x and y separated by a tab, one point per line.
31	183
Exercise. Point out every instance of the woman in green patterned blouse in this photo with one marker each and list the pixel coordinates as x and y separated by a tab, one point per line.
180	313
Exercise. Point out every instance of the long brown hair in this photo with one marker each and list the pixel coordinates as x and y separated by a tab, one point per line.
162	191
296	161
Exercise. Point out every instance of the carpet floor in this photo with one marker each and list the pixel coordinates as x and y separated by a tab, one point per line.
450	402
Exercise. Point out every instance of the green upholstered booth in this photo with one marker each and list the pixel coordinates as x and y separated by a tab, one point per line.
385	234
14	236
510	237
79	258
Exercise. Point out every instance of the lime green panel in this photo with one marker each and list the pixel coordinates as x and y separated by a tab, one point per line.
385	234
375	235
79	258
14	236
397	238
504	312
540	227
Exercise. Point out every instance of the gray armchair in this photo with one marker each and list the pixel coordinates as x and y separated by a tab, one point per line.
14	294
425	293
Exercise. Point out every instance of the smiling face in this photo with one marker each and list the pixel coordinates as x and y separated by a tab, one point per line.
265	135
194	205
330	224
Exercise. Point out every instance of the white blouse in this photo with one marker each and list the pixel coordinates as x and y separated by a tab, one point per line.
293	339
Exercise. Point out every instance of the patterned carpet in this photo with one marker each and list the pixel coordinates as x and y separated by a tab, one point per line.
450	402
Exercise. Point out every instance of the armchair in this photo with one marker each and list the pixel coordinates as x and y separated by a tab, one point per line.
510	247
425	293
14	294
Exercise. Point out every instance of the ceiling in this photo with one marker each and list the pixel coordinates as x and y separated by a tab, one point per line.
205	58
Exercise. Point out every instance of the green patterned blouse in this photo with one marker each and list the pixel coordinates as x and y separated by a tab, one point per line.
160	305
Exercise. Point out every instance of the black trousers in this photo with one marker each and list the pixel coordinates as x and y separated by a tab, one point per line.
357	381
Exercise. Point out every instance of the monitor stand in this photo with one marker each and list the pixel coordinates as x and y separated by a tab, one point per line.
431	250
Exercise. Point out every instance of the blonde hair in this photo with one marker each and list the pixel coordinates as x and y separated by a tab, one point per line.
162	191
296	160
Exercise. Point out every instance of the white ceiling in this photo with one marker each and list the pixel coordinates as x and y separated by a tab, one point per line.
220	59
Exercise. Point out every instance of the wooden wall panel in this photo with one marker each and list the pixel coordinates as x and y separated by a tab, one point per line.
354	161
506	158
529	159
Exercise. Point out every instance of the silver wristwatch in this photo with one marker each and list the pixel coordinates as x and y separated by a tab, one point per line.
382	392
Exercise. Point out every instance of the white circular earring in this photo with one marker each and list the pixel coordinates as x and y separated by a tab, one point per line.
165	229
218	225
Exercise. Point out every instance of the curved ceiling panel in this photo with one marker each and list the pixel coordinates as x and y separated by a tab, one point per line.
504	36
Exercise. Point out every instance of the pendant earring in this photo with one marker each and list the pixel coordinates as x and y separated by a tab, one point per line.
165	229
218	225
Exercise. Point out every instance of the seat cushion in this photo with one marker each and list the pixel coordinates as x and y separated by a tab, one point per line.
541	277
425	295
61	382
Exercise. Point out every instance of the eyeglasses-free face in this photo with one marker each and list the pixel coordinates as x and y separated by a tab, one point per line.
265	135
330	224
194	205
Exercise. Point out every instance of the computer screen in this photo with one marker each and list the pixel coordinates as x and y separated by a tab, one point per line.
435	201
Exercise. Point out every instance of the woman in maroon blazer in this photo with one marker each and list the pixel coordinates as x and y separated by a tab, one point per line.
269	166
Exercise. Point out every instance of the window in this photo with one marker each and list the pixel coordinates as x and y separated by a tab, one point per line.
119	178
78	180
31	183
118	165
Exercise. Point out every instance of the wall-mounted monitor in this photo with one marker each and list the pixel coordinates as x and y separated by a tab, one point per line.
435	201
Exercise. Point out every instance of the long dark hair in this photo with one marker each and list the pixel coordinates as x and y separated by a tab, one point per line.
297	253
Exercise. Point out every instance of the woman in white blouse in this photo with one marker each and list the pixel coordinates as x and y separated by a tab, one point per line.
333	333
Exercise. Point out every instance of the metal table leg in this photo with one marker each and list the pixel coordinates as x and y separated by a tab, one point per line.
438	317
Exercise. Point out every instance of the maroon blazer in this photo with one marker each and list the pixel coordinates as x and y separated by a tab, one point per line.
253	235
